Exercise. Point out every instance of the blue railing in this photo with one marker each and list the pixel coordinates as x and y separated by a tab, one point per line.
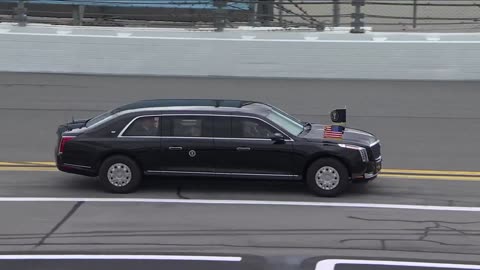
194	4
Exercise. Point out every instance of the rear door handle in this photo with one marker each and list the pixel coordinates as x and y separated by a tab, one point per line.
175	148
243	148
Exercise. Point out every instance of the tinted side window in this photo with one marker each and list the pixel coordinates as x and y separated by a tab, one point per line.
186	126
144	126
222	127
251	128
115	125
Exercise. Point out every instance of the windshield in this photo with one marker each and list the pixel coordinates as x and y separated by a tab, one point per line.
289	124
279	111
98	118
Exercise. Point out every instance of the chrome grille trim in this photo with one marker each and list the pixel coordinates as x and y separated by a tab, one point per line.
376	150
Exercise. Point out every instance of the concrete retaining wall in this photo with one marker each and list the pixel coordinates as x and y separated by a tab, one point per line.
241	52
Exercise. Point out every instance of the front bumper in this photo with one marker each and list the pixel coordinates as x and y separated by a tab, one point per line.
373	169
370	171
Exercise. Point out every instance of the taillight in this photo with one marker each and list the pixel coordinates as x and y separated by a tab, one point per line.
63	141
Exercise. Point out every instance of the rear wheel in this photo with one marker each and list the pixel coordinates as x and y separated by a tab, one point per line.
120	174
327	177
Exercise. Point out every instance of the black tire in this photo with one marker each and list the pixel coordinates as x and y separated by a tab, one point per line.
129	166
342	172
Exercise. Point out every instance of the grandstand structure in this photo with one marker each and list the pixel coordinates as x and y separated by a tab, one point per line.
124	12
382	15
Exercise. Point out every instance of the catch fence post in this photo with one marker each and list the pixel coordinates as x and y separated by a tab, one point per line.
415	9
78	12
220	15
357	23
336	13
21	13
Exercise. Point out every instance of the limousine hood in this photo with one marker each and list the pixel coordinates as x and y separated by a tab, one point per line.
350	135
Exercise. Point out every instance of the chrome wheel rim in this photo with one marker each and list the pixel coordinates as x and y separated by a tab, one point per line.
119	175
327	178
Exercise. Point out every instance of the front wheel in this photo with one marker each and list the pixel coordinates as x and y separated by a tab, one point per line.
327	177
120	174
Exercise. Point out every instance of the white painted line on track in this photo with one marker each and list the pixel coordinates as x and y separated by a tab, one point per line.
330	264
244	202
74	35
118	257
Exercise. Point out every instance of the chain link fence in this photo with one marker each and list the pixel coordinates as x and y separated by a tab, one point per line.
423	15
380	15
385	15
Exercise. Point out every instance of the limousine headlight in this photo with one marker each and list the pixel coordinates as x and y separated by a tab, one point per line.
362	150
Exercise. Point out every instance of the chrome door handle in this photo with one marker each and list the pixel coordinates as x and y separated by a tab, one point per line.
175	148
243	148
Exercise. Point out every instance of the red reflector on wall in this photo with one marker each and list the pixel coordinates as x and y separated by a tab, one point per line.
64	140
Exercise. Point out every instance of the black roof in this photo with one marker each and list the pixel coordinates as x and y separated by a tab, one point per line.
214	103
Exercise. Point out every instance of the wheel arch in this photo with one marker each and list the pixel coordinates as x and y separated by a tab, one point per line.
109	154
325	155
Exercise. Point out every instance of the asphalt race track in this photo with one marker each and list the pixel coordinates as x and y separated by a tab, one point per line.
423	126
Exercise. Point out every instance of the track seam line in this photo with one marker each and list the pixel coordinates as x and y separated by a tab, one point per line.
59	224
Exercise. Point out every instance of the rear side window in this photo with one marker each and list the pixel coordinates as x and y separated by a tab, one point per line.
187	126
222	127
144	126
251	128
97	119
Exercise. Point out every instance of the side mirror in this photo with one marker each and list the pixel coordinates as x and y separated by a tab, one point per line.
277	137
338	116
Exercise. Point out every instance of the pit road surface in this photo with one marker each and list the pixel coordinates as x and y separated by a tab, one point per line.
422	125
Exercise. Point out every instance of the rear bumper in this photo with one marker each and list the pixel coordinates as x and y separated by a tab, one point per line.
74	168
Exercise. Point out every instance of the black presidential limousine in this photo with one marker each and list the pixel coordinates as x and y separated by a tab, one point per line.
227	138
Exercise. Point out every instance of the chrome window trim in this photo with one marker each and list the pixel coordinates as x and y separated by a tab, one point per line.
189	138
223	173
182	137
242	139
149	109
170	108
120	135
146	109
142	137
103	120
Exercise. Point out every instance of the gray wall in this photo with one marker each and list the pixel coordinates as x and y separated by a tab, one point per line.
239	53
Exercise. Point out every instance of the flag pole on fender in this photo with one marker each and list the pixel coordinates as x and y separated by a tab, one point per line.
335	131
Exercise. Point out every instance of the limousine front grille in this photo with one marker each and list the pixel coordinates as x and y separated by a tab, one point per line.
375	150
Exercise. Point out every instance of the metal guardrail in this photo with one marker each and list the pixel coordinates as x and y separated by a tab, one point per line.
383	15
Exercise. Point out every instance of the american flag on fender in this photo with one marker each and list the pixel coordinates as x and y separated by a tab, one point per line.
333	132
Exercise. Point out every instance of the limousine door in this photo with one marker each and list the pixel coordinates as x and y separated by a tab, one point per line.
245	148
187	145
